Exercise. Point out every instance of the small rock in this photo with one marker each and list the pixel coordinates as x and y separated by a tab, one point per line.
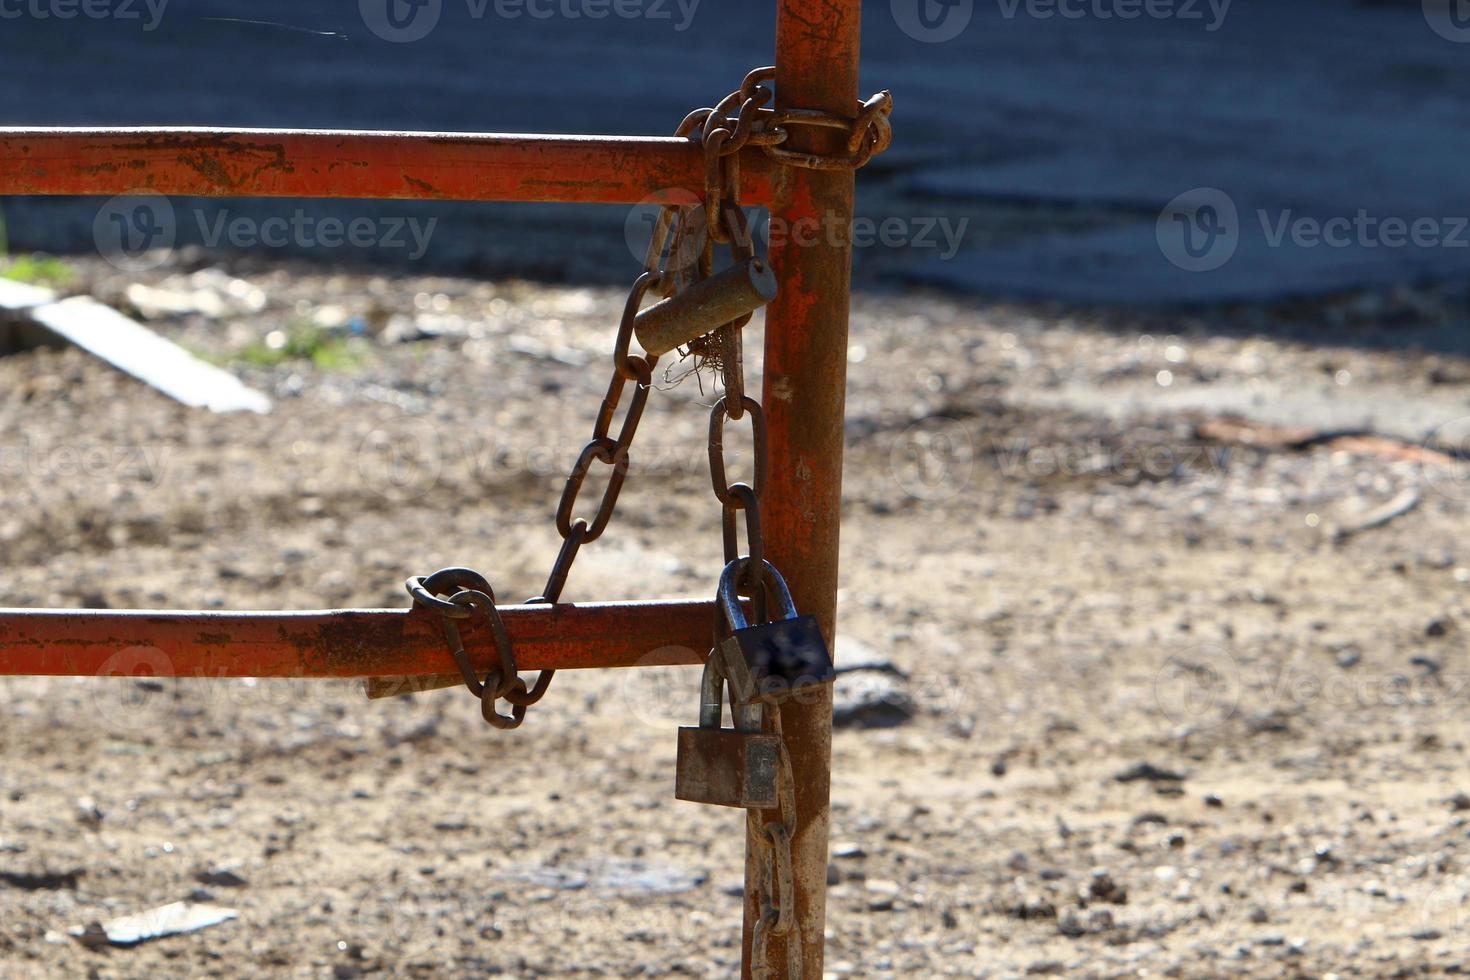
882	894
1148	771
1427	935
1439	626
1032	907
871	699
221	878
1214	801
88	814
847	850
1103	888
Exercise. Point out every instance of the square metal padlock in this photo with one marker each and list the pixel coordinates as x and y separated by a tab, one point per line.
771	662
723	767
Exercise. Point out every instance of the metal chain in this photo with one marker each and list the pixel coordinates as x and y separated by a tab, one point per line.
771	841
459	594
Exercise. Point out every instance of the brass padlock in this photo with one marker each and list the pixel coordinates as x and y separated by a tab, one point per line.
721	766
774	661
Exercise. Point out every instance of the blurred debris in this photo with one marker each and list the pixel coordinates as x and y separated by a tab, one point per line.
166	920
220	878
1236	431
1150	772
1402	503
871	697
48	881
136	350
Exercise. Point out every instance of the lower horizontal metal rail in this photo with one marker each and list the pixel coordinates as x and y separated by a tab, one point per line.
349	164
345	643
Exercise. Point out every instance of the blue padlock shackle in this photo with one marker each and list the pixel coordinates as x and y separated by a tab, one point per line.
730	598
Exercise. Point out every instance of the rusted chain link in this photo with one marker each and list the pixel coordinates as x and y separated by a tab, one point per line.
771	841
741	119
636	369
868	134
460	594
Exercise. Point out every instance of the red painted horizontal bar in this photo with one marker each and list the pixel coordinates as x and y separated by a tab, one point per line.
345	643
326	163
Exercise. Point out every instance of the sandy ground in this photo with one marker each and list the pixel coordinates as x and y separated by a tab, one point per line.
1170	720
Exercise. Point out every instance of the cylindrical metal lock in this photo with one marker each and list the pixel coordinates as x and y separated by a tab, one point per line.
705	306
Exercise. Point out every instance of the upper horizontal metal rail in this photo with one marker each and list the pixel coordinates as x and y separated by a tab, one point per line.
345	643
349	164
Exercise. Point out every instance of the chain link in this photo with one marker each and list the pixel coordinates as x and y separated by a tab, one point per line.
459	595
771	842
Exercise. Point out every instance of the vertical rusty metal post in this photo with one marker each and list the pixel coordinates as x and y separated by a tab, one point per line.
805	386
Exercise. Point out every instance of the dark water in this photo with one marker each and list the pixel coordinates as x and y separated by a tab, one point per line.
1310	108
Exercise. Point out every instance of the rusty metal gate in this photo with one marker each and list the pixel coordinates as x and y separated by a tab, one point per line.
797	157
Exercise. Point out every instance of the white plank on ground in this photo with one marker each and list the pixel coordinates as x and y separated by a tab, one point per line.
17	297
138	351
